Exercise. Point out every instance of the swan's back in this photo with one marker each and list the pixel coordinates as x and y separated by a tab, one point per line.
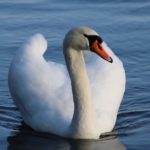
40	89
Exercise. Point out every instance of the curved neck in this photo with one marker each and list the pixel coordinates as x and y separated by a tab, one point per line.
82	121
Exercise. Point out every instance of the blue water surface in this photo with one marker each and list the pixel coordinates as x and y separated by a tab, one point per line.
124	25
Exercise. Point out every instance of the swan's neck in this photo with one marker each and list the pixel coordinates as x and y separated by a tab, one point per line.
82	123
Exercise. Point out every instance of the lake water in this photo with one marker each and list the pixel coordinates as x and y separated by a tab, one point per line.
124	25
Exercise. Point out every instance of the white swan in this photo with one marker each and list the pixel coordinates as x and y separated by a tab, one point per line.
42	90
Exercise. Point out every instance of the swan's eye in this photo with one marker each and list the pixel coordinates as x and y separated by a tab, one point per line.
93	38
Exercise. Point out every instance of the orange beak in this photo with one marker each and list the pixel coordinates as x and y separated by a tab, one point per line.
97	48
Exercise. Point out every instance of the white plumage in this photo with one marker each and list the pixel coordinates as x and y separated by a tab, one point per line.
42	90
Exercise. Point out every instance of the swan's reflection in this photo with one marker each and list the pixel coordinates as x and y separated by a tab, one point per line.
27	139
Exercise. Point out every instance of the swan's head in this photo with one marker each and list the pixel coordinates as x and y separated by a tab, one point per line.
84	38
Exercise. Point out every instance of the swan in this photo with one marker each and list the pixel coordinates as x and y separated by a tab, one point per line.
79	100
